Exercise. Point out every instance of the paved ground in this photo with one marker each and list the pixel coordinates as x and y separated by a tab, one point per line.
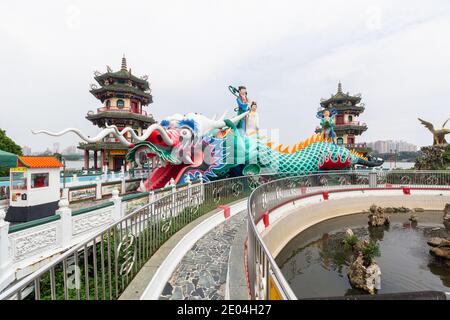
202	273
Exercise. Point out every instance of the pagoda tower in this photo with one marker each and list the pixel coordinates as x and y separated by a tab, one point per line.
347	124
123	96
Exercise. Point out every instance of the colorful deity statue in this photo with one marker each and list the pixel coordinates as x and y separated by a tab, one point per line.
252	121
242	102
327	123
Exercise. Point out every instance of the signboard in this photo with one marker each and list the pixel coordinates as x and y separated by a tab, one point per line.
81	194
18	169
274	294
108	189
118	152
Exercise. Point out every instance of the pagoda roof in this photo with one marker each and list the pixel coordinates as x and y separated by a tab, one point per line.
122	75
121	115
120	88
339	96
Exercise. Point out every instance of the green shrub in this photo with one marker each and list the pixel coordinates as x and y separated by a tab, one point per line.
369	252
351	240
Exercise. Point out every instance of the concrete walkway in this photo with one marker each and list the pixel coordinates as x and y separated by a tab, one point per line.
140	282
202	273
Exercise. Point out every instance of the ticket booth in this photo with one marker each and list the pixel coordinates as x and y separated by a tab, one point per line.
34	188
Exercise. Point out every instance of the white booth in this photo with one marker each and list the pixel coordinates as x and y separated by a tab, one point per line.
34	188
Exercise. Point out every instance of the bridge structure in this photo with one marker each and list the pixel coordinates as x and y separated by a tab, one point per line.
218	240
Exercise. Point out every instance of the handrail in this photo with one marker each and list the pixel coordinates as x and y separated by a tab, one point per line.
264	275
102	266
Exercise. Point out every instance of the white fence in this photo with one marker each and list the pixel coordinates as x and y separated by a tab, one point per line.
27	246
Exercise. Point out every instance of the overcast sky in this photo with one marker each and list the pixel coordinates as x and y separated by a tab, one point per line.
289	54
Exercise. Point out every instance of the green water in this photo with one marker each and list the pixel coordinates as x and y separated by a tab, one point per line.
315	262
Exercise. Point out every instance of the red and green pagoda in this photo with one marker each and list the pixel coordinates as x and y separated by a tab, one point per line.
123	97
347	124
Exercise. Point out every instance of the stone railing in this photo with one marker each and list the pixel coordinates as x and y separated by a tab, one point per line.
25	247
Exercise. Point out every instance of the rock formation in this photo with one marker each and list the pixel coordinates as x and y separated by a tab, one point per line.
440	248
362	277
377	217
447	216
363	272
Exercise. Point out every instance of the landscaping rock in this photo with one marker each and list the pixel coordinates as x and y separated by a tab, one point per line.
365	278
377	217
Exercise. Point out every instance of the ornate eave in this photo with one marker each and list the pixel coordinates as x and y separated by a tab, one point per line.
115	89
350	129
340	96
102	146
138	119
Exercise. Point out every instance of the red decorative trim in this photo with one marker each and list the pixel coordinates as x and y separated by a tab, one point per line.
266	219
226	210
325	195
318	193
247	276
406	190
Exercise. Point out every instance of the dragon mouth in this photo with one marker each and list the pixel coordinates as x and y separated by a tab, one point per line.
165	165
161	176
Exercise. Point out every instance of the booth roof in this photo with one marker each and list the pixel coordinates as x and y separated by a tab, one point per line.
40	162
7	160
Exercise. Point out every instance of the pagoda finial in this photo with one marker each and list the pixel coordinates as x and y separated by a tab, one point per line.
124	63
339	87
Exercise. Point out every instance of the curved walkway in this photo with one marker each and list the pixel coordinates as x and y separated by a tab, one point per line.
202	272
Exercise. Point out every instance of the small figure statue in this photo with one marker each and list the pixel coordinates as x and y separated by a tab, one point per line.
327	123
438	134
243	102
252	121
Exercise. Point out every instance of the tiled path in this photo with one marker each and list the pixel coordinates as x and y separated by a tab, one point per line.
202	272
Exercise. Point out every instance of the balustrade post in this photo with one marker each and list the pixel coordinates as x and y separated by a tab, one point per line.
118	211
373	179
189	186
66	222
74	179
202	187
151	198
98	188
65	193
105	173
123	184
173	190
5	258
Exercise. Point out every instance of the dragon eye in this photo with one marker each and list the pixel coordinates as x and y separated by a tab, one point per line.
185	133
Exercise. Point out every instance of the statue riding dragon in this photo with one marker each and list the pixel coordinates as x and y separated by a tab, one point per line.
194	146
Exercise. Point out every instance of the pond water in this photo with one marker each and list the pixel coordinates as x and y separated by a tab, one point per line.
315	262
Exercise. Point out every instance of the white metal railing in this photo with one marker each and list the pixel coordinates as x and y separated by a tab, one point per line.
102	265
265	278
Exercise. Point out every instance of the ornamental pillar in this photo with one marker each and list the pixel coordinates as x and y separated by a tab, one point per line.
95	159
86	159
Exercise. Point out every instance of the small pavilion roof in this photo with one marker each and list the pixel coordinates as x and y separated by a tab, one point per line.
40	162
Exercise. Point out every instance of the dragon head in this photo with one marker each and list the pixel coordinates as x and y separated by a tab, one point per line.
183	146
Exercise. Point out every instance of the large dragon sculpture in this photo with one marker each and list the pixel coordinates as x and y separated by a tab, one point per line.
194	146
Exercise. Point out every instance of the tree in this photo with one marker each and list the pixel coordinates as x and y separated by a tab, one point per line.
8	145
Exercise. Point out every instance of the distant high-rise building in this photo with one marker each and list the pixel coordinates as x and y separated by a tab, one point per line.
70	150
26	151
56	147
388	146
